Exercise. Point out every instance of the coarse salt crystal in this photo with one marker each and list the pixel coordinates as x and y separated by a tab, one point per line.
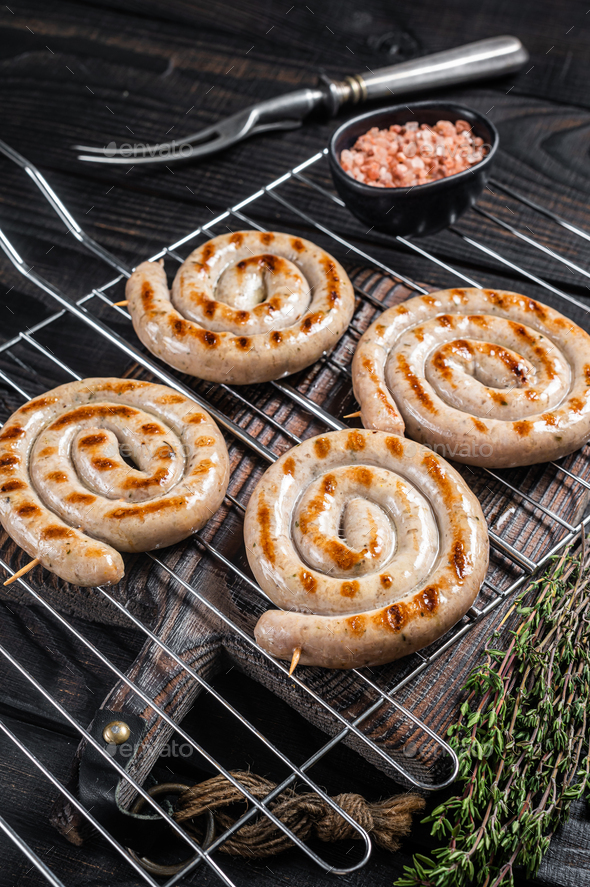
395	157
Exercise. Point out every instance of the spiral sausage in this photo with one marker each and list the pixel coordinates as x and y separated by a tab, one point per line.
485	377
68	497
245	307
372	545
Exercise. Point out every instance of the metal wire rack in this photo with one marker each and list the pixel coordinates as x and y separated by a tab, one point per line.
551	497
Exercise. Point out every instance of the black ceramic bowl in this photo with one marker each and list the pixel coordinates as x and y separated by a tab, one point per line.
421	209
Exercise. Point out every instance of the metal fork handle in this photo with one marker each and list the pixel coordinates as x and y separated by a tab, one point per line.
493	57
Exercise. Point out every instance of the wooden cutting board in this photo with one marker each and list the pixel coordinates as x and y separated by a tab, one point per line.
206	642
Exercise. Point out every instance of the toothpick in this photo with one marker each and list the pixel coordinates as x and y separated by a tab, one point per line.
120	304
295	659
352	415
22	571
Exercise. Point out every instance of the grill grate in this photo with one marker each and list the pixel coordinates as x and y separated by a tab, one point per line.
259	427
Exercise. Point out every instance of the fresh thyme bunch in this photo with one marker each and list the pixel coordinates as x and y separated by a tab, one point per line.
521	739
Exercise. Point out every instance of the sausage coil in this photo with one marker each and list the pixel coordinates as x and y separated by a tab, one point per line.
372	545
485	377
245	307
69	498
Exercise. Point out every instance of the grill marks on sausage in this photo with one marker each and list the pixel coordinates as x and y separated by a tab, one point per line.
460	560
310	321
355	441
182	328
289	466
101	463
512	364
371	370
415	384
147	296
12	486
27	509
80	499
207	338
57	477
37	404
13	432
143	483
8	462
395	446
350	589
209	252
57	532
523	428
360	474
357	625
322	447
439	475
92	440
152	428
576	404
308	581
146	508
317	504
395	617
242	342
81	414
266	539
202	467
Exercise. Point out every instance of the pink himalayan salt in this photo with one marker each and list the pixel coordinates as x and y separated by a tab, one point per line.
403	156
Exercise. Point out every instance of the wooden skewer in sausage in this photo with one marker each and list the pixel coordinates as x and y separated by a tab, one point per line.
23	571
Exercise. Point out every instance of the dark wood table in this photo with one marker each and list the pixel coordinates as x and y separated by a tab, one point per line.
136	71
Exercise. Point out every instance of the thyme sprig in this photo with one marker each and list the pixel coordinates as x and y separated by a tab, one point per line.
521	738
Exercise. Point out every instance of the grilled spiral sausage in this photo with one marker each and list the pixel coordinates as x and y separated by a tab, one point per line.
485	377
372	545
68	497
245	307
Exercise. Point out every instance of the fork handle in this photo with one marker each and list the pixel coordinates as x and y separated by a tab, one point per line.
492	57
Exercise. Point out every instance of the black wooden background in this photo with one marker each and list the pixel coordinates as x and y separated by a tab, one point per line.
135	71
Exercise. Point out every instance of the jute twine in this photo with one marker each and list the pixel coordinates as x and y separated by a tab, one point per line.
306	815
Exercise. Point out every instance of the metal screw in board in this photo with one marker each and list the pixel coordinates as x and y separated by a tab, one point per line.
116	732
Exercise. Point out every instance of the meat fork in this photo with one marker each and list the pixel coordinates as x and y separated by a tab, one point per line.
492	57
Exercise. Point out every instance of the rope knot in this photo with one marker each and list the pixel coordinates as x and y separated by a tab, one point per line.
304	814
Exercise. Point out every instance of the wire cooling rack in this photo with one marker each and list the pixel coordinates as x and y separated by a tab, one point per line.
532	512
